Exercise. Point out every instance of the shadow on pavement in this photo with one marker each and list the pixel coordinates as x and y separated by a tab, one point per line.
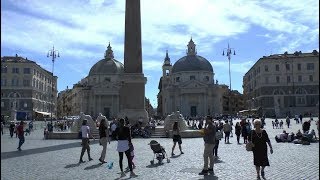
209	177
93	166
154	165
72	165
175	156
7	155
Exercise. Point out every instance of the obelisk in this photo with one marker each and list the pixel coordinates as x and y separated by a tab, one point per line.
132	92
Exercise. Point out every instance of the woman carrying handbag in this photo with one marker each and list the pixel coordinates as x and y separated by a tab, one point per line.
260	139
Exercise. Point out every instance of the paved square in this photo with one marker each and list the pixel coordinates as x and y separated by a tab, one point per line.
58	159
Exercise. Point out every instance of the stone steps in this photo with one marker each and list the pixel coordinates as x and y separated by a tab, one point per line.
158	133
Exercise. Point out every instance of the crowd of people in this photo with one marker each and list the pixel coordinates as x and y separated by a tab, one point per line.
213	130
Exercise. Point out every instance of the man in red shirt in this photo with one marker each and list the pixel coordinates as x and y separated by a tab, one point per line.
20	134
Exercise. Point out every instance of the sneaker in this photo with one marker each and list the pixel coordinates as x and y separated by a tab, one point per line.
182	152
132	174
172	154
203	172
102	161
90	159
81	161
123	174
19	149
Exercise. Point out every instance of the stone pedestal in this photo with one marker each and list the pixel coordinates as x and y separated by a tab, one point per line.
132	101
78	123
170	119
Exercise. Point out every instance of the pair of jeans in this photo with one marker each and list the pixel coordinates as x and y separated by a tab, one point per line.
85	146
104	143
208	155
21	141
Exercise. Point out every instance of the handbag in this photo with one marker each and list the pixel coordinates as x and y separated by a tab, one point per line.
249	145
219	135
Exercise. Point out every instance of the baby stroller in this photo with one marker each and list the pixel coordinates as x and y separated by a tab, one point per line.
159	152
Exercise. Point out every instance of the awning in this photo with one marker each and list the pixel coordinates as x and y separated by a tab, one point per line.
44	113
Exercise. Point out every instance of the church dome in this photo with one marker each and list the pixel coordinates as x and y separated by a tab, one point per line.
192	63
108	65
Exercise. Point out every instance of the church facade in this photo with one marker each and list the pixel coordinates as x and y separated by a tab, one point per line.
189	86
96	93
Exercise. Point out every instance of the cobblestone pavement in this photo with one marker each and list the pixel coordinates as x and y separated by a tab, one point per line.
58	159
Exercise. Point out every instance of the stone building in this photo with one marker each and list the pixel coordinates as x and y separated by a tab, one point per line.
96	93
26	89
233	102
188	86
284	84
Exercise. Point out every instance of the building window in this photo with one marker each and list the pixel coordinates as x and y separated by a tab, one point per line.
177	79
26	70
34	72
311	78
2	104
288	79
4	69
3	82
300	78
207	78
15	70
287	67
299	67
266	68
301	100
277	67
192	77
107	79
310	66
278	79
267	80
26	83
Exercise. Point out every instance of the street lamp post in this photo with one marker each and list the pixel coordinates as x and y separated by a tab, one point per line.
54	54
229	53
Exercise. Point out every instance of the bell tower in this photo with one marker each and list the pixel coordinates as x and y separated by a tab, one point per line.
191	48
166	67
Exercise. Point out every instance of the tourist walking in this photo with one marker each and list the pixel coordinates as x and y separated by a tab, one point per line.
11	128
217	140
85	131
238	131
209	141
124	140
176	137
288	121
226	130
260	139
104	138
20	133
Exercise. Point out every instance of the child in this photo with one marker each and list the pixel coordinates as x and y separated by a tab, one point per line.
131	148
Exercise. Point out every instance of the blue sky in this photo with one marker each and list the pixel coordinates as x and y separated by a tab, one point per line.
81	31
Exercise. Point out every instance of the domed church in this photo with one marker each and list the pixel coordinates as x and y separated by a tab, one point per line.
99	91
188	86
